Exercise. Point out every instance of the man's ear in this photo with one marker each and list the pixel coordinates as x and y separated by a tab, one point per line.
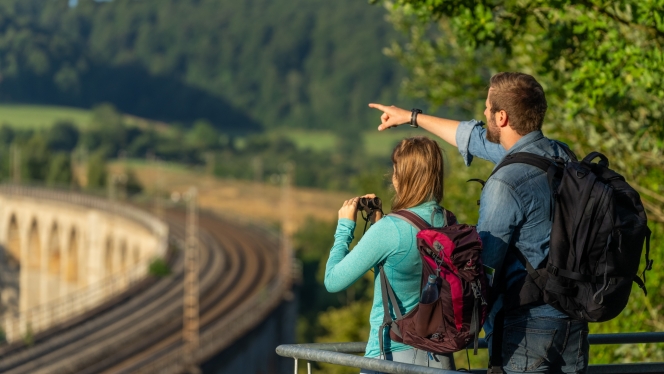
501	119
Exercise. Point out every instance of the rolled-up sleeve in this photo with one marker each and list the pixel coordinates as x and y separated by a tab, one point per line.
471	142
463	135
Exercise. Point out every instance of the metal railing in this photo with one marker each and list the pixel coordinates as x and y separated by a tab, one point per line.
345	354
84	298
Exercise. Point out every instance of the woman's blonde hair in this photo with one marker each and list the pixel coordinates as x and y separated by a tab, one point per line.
419	172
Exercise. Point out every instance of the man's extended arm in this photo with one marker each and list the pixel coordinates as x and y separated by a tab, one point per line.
441	127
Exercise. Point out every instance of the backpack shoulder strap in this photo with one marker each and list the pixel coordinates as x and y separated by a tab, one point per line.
524	158
450	218
553	168
412	218
388	296
546	164
567	150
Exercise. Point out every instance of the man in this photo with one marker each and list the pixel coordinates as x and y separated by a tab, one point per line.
515	215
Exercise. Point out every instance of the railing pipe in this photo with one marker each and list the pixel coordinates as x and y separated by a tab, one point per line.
627	338
593	339
345	359
352	347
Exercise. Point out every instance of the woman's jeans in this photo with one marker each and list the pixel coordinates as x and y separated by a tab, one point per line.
418	357
545	345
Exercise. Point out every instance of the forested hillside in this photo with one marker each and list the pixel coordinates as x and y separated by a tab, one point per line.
242	65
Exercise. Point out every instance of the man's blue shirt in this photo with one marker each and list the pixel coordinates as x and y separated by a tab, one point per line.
515	207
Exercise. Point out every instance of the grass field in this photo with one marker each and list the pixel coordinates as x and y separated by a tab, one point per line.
376	143
41	116
25	116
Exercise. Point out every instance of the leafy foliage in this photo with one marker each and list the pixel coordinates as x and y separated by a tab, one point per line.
37	159
599	61
62	136
349	324
159	268
97	173
59	170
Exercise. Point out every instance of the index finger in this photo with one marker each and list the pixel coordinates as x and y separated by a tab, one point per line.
378	106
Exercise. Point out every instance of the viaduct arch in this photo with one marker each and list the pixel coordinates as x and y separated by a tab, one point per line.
63	246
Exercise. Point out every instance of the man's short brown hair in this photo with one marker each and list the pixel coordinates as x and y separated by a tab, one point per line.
522	97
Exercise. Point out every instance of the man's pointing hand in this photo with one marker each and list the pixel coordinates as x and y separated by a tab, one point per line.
392	116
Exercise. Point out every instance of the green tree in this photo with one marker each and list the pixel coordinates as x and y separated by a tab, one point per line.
133	185
203	136
62	136
59	170
35	157
6	135
97	173
109	125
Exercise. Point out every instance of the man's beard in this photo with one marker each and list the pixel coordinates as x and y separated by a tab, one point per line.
492	131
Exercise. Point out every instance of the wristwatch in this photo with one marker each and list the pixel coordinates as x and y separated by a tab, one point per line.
413	117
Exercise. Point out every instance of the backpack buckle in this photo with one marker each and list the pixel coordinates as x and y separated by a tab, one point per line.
476	286
552	269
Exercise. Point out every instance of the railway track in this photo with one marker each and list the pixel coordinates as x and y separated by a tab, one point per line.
144	327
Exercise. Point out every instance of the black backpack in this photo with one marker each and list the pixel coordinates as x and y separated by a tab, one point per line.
597	236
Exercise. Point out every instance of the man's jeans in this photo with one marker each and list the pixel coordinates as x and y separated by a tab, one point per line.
418	357
545	345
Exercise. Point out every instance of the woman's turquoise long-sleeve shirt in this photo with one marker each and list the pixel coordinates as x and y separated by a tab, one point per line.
390	240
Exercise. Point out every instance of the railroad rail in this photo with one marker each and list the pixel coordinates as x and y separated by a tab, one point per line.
140	330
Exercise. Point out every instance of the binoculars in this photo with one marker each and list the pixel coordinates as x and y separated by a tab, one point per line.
368	204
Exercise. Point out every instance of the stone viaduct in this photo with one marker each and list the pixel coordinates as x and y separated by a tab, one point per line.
62	253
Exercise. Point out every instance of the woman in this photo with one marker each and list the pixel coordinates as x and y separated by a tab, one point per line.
418	182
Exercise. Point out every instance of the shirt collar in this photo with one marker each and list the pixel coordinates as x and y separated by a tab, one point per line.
529	138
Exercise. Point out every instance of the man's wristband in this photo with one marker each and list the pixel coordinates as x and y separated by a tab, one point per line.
413	117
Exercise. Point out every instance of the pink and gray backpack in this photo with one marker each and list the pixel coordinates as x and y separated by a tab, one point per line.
452	253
